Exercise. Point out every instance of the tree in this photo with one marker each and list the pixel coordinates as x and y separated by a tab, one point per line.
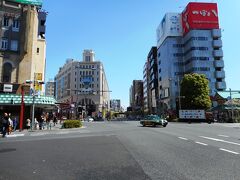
195	90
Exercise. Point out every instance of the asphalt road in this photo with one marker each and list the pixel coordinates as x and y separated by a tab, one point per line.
125	150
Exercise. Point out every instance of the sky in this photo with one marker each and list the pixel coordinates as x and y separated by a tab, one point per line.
122	32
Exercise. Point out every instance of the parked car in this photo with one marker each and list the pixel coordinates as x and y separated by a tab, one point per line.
98	119
153	120
89	119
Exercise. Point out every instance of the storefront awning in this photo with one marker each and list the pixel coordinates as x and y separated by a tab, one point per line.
14	99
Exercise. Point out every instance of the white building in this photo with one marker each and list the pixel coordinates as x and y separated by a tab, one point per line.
84	85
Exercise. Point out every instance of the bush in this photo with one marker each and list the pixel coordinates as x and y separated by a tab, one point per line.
72	124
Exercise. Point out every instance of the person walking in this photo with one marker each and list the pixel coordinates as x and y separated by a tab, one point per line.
15	123
10	124
28	124
5	124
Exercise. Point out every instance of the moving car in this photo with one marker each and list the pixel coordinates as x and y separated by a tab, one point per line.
153	120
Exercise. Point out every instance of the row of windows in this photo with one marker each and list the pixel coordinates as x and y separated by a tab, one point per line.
196	59
178	45
13	45
88	66
178	54
196	38
15	24
199	69
87	73
196	48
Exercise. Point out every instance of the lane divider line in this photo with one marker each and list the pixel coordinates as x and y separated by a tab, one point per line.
201	143
183	138
220	140
229	151
222	135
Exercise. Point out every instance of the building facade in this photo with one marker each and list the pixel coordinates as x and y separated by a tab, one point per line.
137	95
189	42
84	85
115	105
50	88
150	83
23	43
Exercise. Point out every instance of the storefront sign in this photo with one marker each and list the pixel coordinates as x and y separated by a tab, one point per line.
7	88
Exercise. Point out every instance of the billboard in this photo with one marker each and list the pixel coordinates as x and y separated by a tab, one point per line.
169	26
32	2
200	16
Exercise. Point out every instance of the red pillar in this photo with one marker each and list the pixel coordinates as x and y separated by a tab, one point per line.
22	110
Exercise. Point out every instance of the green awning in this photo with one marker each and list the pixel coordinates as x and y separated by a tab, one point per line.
10	99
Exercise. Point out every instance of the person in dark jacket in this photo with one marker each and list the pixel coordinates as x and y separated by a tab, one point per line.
5	124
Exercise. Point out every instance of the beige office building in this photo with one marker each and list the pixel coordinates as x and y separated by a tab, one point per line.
23	44
83	84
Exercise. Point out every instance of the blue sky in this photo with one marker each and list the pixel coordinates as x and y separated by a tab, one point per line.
121	32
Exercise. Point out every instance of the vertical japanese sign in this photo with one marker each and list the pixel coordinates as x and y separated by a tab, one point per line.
38	77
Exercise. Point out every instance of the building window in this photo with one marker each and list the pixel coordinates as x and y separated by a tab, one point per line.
87	58
15	26
5	22
43	22
38	50
14	45
4	44
7	72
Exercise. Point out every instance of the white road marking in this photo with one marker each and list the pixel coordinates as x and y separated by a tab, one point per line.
220	140
228	151
183	138
222	135
15	135
201	143
38	134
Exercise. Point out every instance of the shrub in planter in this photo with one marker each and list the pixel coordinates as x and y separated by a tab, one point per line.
72	124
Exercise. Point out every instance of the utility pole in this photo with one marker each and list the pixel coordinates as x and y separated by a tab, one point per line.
179	96
230	90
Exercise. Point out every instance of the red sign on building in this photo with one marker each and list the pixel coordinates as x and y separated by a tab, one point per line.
200	16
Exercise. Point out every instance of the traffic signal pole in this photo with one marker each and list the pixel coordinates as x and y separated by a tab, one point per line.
22	110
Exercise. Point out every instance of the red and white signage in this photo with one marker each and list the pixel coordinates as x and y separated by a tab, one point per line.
200	16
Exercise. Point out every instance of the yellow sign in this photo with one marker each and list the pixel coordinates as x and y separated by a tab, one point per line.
38	77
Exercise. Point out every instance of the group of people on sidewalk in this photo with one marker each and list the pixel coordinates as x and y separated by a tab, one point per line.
8	124
44	121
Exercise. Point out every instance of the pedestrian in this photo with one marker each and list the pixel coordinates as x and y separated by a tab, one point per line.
5	124
15	123
28	124
55	120
10	124
36	124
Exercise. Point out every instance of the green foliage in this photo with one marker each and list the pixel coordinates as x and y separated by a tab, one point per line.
195	89
72	124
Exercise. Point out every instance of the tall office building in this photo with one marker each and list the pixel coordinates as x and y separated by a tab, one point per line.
115	105
50	88
84	84
170	58
23	44
189	43
136	94
150	83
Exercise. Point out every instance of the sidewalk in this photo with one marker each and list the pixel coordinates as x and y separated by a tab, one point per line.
24	132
